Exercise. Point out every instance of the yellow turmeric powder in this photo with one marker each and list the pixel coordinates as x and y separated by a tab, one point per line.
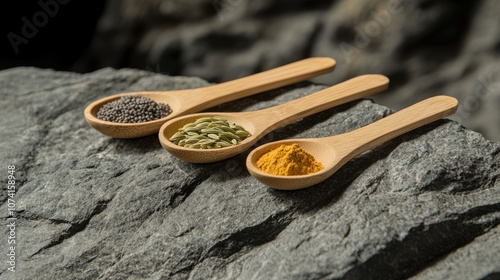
288	160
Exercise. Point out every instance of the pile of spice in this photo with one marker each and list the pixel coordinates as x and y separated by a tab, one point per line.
287	160
209	133
133	109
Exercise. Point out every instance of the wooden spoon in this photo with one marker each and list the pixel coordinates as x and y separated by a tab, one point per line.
334	151
261	122
183	102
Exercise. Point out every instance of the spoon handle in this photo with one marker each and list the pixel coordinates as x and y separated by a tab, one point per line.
342	93
260	82
408	119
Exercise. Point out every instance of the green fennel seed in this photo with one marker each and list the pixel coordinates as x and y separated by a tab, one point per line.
209	133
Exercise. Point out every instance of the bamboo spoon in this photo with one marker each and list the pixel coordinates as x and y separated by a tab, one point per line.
184	102
261	122
334	151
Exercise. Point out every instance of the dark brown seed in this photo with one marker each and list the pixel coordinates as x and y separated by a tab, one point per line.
133	109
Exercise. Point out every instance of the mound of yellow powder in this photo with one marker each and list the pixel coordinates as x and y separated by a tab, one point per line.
288	160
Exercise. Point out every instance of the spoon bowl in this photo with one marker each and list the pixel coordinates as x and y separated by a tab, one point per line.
183	102
207	155
335	151
133	130
322	153
261	122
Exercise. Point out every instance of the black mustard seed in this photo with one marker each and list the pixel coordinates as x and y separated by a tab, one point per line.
133	109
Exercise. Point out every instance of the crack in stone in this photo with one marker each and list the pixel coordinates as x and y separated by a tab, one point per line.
74	228
187	189
492	276
402	259
252	236
245	238
29	158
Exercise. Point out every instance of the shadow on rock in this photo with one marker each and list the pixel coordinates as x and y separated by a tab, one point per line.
141	145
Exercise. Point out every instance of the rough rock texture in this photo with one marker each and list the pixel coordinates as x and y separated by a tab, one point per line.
425	205
425	47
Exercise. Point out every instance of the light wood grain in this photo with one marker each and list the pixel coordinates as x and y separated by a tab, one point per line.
335	151
261	122
184	102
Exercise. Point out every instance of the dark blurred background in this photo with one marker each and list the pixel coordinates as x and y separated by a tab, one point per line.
425	47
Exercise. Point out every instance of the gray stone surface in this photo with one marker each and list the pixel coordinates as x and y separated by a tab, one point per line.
425	205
